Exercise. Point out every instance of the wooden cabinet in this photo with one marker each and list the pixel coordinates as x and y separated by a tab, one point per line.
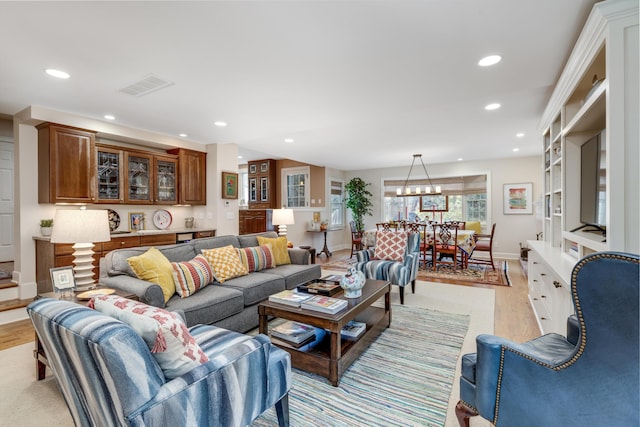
138	182
192	169
109	180
166	179
254	221
66	164
262	184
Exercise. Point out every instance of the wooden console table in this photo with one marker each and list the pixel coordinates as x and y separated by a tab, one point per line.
325	249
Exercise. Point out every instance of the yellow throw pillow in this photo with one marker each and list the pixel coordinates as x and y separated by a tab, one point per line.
473	225
154	267
225	263
279	247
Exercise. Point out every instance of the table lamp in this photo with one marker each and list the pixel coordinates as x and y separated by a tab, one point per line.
83	228
282	218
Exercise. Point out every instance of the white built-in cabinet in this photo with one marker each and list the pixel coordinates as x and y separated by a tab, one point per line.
596	93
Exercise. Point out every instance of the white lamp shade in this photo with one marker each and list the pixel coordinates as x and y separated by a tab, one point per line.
80	226
281	217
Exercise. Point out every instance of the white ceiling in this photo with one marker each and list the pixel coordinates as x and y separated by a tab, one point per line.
356	84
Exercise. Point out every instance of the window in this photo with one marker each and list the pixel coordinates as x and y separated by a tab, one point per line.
295	187
337	203
467	200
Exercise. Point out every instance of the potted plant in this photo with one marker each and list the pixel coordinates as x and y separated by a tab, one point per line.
358	200
46	225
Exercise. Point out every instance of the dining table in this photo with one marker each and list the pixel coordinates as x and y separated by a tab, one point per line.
466	240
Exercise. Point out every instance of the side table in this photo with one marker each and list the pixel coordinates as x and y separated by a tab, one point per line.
38	352
325	249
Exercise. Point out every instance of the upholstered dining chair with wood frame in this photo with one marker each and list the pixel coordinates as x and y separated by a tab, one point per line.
484	243
421	229
356	238
395	258
446	245
590	377
387	226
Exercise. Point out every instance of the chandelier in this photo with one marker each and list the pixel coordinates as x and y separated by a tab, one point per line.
405	190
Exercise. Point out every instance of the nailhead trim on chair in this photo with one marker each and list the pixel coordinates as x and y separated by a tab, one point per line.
583	332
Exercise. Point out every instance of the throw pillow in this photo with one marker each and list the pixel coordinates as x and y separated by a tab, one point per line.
168	338
154	267
225	263
391	245
257	258
279	247
191	276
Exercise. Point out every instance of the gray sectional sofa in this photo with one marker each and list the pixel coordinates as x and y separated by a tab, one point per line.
230	305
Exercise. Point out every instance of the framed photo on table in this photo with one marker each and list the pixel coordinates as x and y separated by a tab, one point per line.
517	199
229	185
136	221
62	279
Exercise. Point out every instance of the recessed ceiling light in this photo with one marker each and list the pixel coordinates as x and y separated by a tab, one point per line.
489	60
239	157
515	150
288	140
519	135
460	159
57	73
494	106
183	135
109	117
220	124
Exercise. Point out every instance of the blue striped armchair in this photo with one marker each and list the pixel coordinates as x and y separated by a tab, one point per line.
108	376
396	272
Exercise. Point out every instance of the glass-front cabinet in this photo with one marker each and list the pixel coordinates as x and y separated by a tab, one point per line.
108	176
139	178
166	172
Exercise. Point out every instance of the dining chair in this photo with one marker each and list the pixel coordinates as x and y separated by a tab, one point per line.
356	238
484	243
446	244
387	226
459	224
421	229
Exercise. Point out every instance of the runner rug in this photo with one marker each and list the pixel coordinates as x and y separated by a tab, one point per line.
403	379
476	273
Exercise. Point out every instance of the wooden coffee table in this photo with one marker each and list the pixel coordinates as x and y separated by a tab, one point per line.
333	355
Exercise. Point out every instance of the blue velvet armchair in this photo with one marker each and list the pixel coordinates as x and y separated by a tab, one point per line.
108	376
396	272
588	378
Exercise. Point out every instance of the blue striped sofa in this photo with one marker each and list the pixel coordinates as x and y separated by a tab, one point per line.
108	376
398	273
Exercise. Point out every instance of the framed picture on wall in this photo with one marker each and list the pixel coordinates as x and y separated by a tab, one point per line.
229	185
136	221
434	203
62	279
517	199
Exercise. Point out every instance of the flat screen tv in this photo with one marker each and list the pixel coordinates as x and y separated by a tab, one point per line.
593	183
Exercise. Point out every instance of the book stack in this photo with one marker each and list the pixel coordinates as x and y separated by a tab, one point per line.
334	278
353	329
324	304
320	287
293	334
290	297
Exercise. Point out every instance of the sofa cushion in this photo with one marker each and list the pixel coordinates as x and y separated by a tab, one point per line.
209	305
225	263
279	247
191	276
256	287
154	267
391	245
257	258
294	274
214	242
248	240
164	333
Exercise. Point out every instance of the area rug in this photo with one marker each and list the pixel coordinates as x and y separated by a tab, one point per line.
476	273
403	379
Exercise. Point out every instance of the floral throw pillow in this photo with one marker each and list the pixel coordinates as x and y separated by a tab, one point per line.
391	245
168	338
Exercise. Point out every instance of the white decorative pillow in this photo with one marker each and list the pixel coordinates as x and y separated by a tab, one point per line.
391	245
169	340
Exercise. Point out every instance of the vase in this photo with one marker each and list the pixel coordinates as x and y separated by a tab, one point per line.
352	283
46	231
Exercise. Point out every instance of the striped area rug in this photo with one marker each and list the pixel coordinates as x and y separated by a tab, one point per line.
403	379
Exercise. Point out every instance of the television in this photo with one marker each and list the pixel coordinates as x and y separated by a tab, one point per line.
593	183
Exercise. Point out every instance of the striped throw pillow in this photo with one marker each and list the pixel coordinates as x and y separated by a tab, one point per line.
191	276
257	258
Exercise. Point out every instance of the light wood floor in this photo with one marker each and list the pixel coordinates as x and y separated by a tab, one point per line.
514	317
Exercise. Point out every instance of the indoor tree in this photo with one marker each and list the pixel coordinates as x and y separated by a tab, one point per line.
358	200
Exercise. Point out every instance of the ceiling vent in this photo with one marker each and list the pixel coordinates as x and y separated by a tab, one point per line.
148	84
